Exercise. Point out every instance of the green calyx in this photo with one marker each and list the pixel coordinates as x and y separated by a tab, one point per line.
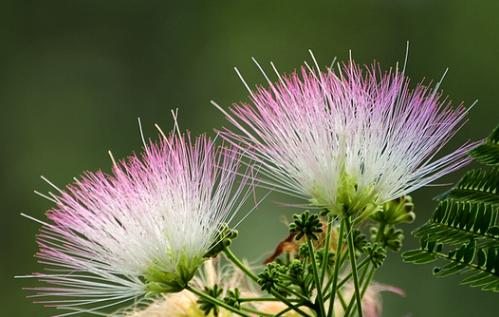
160	281
350	200
400	210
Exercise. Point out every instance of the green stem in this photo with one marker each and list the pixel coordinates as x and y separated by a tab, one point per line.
337	264
371	269
325	254
330	282
233	258
363	276
301	297
318	284
216	301
282	312
381	231
257	312
342	301
353	264
258	299
349	276
370	276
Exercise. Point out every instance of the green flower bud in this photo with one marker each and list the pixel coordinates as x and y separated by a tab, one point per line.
306	224
400	210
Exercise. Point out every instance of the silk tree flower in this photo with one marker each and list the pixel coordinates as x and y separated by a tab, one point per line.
144	229
346	139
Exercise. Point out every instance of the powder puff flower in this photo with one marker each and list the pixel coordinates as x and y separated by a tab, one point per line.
143	229
349	138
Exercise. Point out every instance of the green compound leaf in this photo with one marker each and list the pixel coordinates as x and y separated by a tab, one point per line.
477	186
488	152
480	266
456	222
463	232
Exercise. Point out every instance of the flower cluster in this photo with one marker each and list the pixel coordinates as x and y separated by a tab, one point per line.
144	229
352	141
347	139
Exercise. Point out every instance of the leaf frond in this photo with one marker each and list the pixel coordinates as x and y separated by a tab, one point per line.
488	152
463	231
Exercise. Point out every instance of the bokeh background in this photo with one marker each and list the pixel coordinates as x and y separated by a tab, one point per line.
75	75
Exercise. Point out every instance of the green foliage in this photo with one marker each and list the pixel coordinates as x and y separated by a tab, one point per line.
463	231
488	152
479	265
456	222
479	185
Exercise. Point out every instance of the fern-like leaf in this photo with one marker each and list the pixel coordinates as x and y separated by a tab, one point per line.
477	186
488	152
455	222
480	266
463	231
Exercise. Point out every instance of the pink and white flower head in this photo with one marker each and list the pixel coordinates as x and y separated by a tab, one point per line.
145	228
347	138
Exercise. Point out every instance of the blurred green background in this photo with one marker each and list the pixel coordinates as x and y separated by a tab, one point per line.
75	75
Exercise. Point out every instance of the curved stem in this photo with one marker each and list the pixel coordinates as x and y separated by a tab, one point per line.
233	258
353	264
216	301
337	264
